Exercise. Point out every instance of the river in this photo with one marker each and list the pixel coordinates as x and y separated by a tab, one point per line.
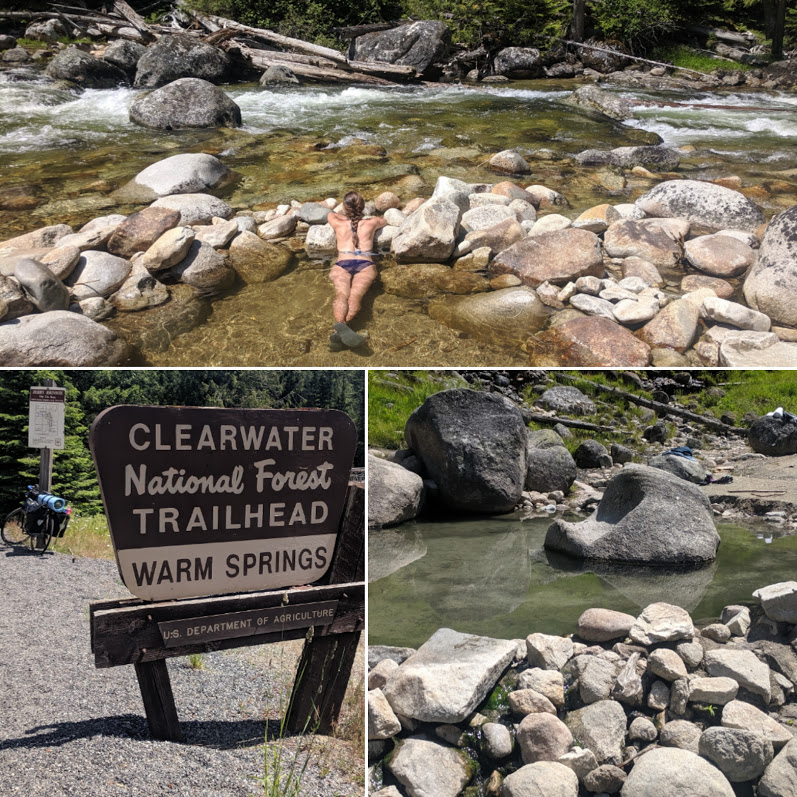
493	577
62	154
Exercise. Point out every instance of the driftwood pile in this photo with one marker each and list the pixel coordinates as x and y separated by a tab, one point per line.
252	49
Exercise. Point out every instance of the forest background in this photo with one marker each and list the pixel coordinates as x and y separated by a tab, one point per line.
88	392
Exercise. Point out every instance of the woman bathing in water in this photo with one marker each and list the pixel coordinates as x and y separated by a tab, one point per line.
354	271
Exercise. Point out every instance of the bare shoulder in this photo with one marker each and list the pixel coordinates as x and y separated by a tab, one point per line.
376	222
335	218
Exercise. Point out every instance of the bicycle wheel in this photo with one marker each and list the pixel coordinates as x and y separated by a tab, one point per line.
13	531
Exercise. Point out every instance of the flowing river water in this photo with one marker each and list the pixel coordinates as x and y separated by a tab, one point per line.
62	155
493	577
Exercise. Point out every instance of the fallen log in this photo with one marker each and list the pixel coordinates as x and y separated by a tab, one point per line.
263	59
538	417
625	55
135	19
743	39
666	409
353	31
273	38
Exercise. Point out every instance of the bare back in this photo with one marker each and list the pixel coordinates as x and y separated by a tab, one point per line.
345	237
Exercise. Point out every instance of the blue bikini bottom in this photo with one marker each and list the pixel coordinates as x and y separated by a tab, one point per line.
354	266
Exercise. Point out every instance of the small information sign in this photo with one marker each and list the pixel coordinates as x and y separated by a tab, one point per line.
205	501
238	624
46	420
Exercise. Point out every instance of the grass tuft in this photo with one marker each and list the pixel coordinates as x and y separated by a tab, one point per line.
687	58
86	536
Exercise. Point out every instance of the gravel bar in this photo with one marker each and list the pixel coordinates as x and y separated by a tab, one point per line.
67	728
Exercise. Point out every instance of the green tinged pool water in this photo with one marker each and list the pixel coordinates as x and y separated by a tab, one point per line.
63	154
493	577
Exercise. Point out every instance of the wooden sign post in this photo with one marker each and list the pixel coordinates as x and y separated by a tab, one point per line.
208	502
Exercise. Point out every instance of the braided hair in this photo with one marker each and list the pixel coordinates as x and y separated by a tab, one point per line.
353	208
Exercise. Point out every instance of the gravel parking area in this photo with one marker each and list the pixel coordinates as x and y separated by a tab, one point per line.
67	728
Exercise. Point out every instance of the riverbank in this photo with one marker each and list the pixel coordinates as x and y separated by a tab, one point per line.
624	704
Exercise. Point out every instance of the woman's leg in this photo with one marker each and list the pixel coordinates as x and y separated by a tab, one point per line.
360	284
342	281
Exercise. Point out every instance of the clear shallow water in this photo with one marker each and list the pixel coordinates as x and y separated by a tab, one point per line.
493	577
62	155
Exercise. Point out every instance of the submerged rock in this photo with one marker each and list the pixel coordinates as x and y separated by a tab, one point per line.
59	338
645	516
595	99
189	173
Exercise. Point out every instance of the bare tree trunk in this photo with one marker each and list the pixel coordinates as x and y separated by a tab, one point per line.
780	28
577	26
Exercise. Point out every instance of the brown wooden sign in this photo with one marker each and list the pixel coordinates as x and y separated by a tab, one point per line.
238	624
205	501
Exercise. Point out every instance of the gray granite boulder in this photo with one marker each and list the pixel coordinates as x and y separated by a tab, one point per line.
646	516
518	62
181	56
676	772
541	779
188	173
773	279
185	103
473	446
566	400
549	465
662	622
59	338
708	207
395	494
448	676
772	436
740	755
426	768
601	728
687	469
780	778
779	601
97	274
42	287
429	234
419	44
87	71
543	737
124	55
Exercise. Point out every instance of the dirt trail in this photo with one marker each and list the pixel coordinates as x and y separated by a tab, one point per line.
760	485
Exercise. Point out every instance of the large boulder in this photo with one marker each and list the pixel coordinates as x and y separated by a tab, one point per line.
518	62
673	771
124	55
707	206
645	516
42	287
429	234
779	602
139	231
473	446
189	173
549	465
85	70
600	727
556	257
177	56
773	279
195	208
775	437
394	493
59	338
448	676
419	45
185	103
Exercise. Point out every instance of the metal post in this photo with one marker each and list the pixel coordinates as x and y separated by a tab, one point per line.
46	458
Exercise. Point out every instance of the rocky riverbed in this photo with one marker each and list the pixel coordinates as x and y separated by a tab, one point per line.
631	705
683	276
